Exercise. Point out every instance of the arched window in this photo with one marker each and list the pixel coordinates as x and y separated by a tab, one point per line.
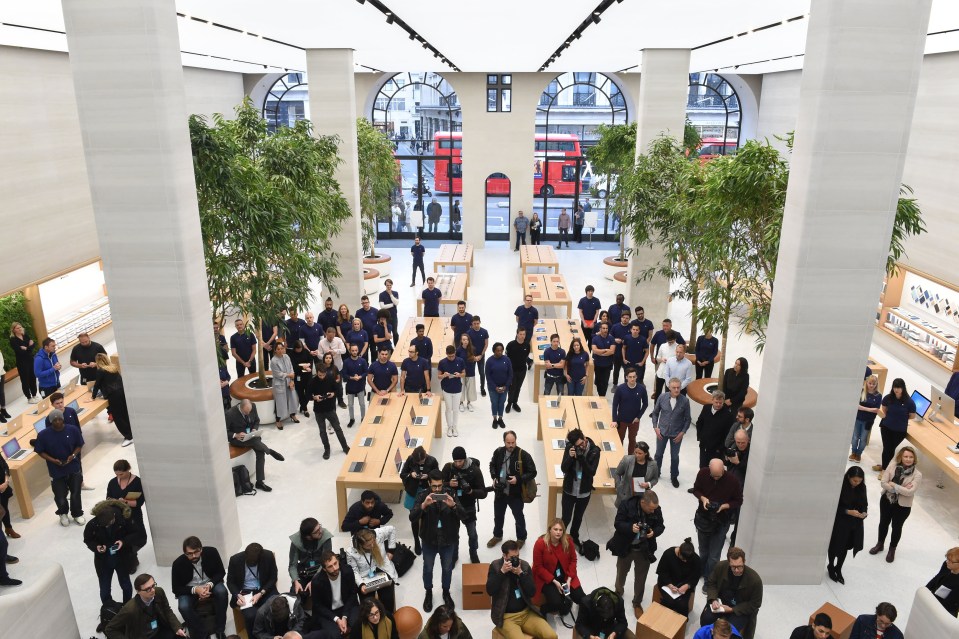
421	114
570	110
287	101
713	109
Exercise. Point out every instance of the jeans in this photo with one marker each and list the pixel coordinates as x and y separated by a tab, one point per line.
331	417
107	564
601	375
473	538
500	502
187	607
63	485
451	403
497	400
573	509
575	388
433	226
446	563
517	384
859	435
362	399
520	237
563	236
673	455
711	547
554	382
4	545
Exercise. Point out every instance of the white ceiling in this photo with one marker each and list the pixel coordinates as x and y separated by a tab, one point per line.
487	35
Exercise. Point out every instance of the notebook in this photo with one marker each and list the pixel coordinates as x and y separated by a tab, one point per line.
13	452
417	421
75	405
411	442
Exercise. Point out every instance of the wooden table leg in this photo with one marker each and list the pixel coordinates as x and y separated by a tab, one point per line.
24	499
341	499
552	493
438	427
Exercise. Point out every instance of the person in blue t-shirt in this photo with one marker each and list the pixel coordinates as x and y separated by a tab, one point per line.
311	333
382	374
367	315
499	371
328	317
479	337
431	299
461	321
526	315
451	370
645	326
603	349
588	307
617	309
577	359
294	327
354	374
634	351
707	348
383	332
60	446
358	336
415	374
630	402
243	349
423	344
418	251
619	331
555	359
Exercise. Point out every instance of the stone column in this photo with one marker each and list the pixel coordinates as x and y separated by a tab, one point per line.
861	75
661	107
333	112
125	59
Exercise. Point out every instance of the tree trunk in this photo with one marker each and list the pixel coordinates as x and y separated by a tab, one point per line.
722	356
694	312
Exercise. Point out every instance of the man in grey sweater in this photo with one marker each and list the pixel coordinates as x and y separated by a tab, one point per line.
521	224
671	419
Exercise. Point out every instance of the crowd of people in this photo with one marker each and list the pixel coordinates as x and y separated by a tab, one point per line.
339	356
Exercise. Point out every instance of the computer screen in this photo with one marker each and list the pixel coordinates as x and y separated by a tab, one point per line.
922	403
943	405
74	405
11	447
40	424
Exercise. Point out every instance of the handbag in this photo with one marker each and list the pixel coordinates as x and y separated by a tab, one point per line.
706	522
528	489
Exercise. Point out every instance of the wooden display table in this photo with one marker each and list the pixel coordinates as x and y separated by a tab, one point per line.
451	285
548	290
567	330
437	329
659	622
87	408
592	415
455	256
842	621
696	391
540	255
935	439
387	425
880	371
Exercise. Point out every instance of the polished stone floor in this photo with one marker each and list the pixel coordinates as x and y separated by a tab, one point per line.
303	484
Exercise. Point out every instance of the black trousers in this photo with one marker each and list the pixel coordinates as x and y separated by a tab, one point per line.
602	379
241	370
704	371
259	450
890	442
500	502
28	380
660	382
556	602
563	235
301	383
894	514
4	500
519	376
321	419
121	415
481	369
533	237
62	486
617	366
578	233
573	509
422	273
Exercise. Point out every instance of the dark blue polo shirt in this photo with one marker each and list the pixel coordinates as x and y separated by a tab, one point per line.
424	347
470	364
328	318
368	318
645	327
311	335
897	413
460	324
361	338
60	445
590	307
629	403
602	342
636	348
352	367
620	332
418	252
616	313
294	329
379	331
451	384
244	343
431	302
527	319
416	372
576	365
382	374
478	339
554	357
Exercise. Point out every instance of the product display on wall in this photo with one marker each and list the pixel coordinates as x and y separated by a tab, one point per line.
69	304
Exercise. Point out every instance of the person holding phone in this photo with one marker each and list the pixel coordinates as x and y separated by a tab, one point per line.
439	515
323	389
554	571
110	536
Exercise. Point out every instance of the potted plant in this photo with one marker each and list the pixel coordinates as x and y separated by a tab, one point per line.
270	207
613	154
378	175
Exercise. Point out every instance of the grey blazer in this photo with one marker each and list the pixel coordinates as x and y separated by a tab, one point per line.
670	421
624	476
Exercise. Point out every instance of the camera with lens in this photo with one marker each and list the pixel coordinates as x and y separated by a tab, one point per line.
732	452
643	529
514	561
713	506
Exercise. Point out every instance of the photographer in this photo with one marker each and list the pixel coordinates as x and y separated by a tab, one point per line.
464	477
719	494
737	457
580	461
510	468
438	514
510	584
639	520
415	477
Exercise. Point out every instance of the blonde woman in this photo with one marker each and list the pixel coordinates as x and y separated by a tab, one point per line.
284	395
109	384
554	571
371	554
870	400
900	481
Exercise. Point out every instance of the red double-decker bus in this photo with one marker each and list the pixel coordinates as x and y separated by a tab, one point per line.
554	165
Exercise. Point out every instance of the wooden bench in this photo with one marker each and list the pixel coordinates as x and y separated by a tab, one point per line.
240	624
238	451
620	276
659	622
499	635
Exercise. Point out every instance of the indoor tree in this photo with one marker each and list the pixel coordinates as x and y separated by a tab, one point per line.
269	210
378	176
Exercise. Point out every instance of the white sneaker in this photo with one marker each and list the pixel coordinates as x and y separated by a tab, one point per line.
80	520
85	487
456	432
469	407
126	442
462	407
33	400
449	432
64	520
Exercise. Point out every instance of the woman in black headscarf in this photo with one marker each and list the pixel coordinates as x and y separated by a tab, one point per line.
847	530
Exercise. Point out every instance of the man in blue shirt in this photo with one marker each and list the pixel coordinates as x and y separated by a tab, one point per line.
660	337
451	370
603	349
70	417
382	374
367	315
526	315
635	348
617	309
619	331
418	251
423	344
460	322
588	312
383	331
354	373
311	332
629	403
707	349
60	446
328	316
479	337
431	299
294	327
46	366
415	374
645	325
243	349
555	358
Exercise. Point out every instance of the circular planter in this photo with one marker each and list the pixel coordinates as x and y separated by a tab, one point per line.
620	276
262	397
612	265
381	263
371	281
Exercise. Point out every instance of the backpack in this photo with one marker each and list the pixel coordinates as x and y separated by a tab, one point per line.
241	481
529	487
107	612
403	558
590	550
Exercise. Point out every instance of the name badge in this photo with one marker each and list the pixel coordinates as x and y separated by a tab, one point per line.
459	493
153	625
372	571
579	474
312	564
558	571
439	523
518	594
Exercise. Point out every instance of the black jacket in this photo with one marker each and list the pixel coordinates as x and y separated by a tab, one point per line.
439	523
519	455
945	578
351	523
320	388
412	485
471	487
264	628
739	470
236	574
711	429
123	529
589	623
500	587
587	464
134	616
323	596
629	513
237	422
182	570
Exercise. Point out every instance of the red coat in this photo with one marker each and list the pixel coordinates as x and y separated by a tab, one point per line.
547	556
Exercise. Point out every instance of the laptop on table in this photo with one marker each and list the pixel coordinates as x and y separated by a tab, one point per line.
13	452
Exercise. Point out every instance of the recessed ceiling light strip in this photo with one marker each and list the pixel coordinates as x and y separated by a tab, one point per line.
594	17
392	18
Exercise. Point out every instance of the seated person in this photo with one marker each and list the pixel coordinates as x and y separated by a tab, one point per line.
368	512
371	556
879	624
251	574
306	547
444	623
818	629
150	608
336	598
679	571
197	575
734	592
554	571
510	583
242	428
374	622
602	613
277	616
720	629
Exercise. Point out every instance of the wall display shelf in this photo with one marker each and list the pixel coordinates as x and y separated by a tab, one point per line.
87	319
923	312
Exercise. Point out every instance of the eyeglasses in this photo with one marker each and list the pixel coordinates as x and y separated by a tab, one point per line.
149	588
373	613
